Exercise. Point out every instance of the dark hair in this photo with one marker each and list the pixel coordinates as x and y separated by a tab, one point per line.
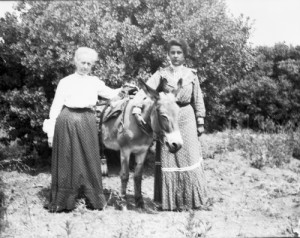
179	42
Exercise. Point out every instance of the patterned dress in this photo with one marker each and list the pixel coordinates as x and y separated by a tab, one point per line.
179	178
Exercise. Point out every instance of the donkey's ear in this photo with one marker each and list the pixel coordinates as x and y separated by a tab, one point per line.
179	83
150	92
162	82
179	86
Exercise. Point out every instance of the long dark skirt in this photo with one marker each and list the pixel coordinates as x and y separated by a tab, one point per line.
179	178
76	165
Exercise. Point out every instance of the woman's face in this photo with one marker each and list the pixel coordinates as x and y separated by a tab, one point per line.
84	64
176	55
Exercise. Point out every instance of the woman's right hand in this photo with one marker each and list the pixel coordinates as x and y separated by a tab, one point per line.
129	89
140	120
50	141
137	113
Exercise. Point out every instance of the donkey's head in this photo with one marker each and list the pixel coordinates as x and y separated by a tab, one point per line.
164	114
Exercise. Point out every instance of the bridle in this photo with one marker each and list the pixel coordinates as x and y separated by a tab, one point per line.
157	134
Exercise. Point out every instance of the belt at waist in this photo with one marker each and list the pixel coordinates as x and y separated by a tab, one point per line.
182	104
78	109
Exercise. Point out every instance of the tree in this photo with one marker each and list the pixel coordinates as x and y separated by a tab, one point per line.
130	37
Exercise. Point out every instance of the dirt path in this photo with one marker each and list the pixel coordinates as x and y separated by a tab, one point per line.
246	202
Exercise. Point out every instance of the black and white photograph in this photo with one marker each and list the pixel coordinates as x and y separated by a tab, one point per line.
149	118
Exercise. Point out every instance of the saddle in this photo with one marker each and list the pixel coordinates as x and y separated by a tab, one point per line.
107	109
110	109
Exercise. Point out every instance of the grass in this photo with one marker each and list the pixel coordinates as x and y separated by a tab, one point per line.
195	227
3	207
248	197
263	149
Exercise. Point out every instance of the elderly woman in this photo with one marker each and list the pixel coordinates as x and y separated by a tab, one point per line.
179	178
72	131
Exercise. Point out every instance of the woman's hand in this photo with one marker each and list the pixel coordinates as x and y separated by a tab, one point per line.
140	120
200	130
129	89
200	126
137	112
50	140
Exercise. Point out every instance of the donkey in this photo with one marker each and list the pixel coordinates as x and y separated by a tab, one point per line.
123	134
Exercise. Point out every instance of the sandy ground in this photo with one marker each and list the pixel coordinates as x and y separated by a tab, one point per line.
246	202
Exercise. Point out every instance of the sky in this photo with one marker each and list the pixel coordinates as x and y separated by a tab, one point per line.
274	21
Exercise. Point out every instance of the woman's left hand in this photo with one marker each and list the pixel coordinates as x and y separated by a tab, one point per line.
200	130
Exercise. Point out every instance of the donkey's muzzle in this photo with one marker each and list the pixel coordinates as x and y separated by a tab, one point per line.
174	141
173	147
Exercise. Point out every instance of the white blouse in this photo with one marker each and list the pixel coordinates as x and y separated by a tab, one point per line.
76	91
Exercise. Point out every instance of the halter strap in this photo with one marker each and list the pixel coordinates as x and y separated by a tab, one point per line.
147	129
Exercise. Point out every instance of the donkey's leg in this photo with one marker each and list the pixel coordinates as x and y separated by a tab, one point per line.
138	174
124	172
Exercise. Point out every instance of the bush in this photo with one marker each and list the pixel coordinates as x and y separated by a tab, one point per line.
264	149
214	144
296	143
23	121
268	94
12	157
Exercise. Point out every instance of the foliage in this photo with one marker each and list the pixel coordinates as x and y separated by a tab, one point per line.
16	157
11	71
26	111
214	144
264	149
296	143
129	36
269	94
275	146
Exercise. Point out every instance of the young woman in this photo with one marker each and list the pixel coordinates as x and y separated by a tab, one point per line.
179	179
72	132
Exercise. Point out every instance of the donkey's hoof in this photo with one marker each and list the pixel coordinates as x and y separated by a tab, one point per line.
121	206
139	203
121	203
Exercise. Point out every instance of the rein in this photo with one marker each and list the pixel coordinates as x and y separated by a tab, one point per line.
158	136
148	130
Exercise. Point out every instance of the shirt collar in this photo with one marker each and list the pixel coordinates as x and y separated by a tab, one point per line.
177	68
79	75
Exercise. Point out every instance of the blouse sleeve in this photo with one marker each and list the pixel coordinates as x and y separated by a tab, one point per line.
56	107
197	100
105	91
